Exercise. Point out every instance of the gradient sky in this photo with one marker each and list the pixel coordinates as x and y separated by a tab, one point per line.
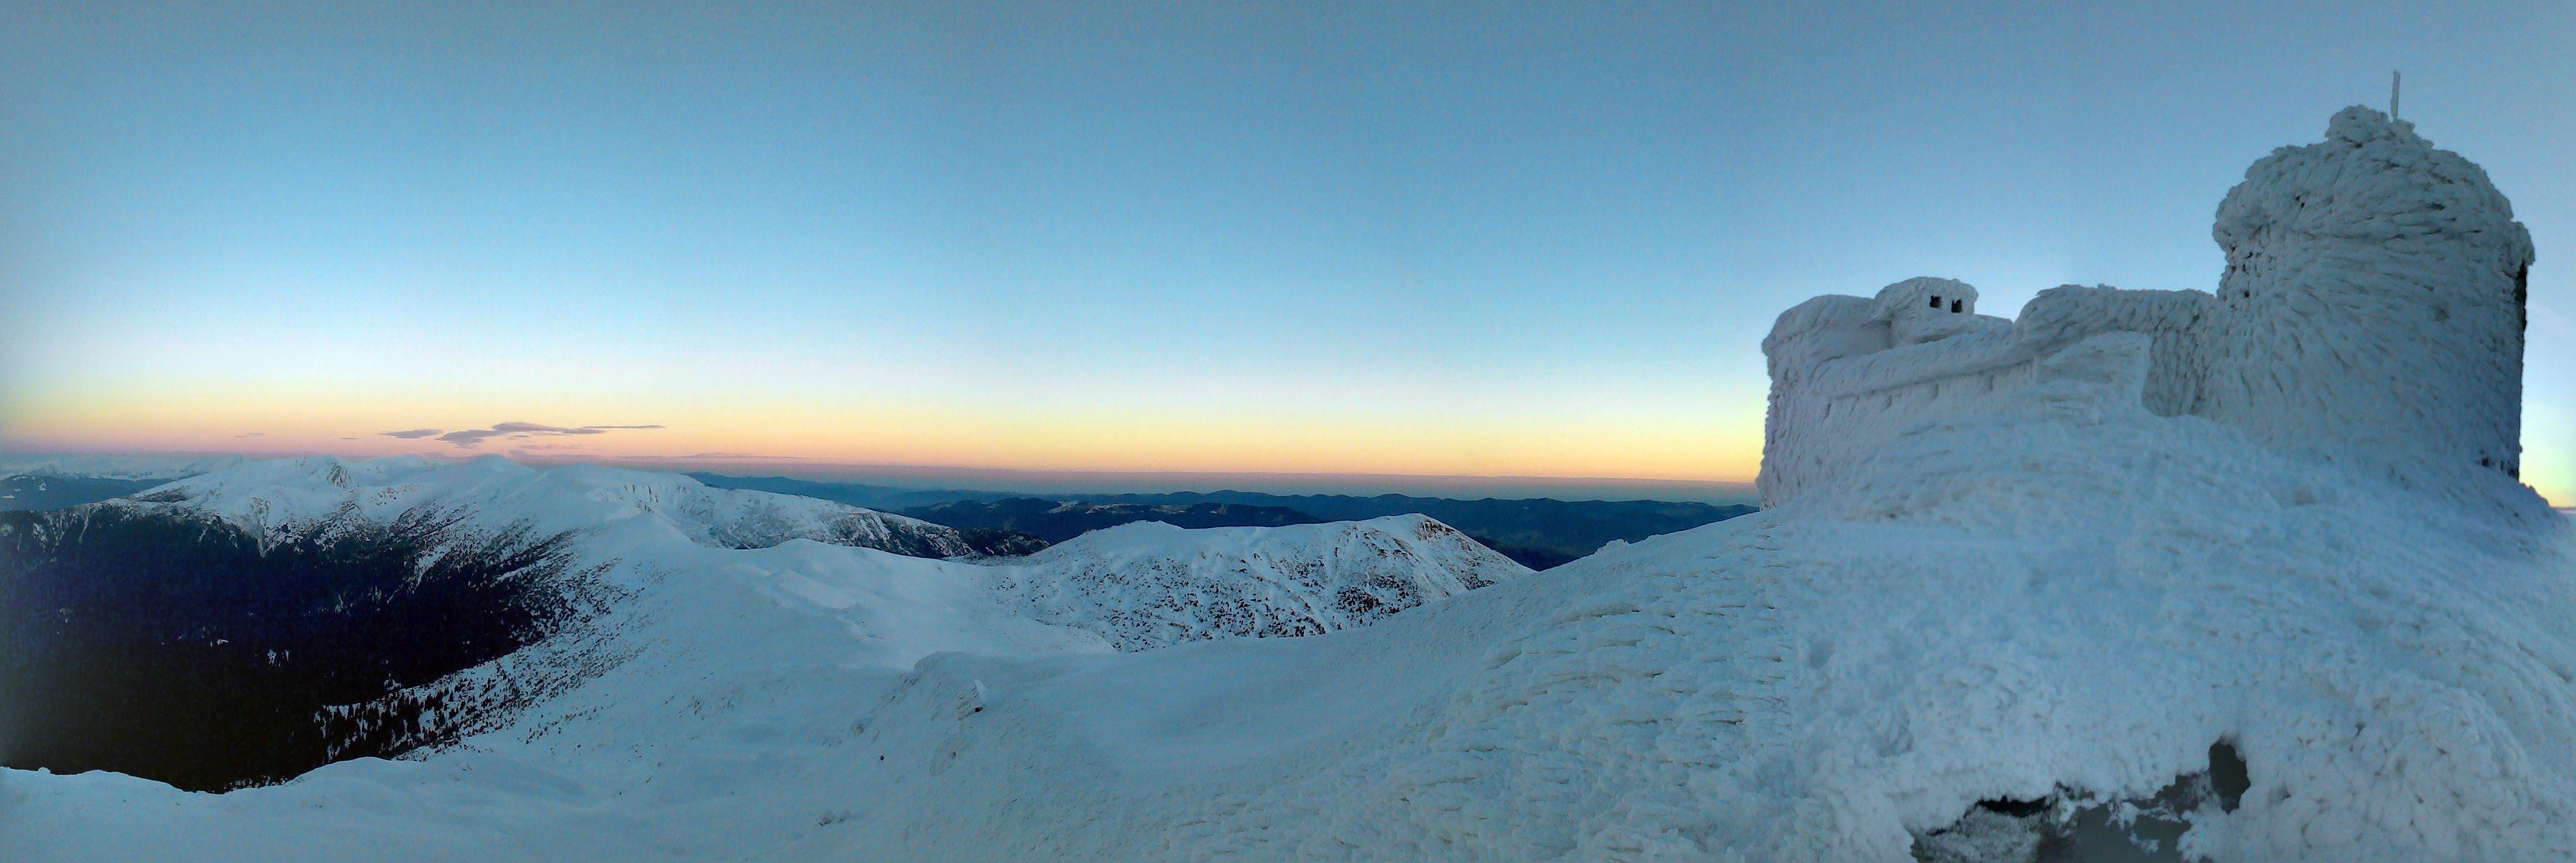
1471	239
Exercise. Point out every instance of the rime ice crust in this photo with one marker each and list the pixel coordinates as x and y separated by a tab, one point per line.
1926	309
2373	302
2372	313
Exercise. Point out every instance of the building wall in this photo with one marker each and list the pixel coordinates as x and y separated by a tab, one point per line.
1828	406
2174	320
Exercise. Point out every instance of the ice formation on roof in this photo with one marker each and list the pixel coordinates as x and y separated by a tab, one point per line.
2372	312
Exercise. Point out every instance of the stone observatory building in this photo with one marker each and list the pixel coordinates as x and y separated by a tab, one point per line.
2372	313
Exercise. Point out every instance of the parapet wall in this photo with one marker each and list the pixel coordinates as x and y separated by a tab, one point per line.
1833	398
2178	371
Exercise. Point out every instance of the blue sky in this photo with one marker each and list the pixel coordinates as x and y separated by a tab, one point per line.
1473	238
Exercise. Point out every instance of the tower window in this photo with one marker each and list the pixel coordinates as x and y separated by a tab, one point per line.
1936	302
2522	295
1954	307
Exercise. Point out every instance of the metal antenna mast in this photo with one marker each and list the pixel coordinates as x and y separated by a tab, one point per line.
2392	96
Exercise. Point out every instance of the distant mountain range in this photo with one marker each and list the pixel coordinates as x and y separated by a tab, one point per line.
40	492
1538	532
1052	521
876	497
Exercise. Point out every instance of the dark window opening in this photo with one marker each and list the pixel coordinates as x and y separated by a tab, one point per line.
2522	295
1954	307
1936	302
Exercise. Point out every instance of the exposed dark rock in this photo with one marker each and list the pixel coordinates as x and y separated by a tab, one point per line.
39	492
2072	826
177	646
1056	521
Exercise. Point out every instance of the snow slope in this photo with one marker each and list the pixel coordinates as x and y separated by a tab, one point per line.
2070	591
1138	585
1149	584
718	667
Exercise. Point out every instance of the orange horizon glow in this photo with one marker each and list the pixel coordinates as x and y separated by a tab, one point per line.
1073	439
1718	448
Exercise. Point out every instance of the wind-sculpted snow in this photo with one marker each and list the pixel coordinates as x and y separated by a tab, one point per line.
2067	592
2070	592
2383	280
1149	584
2384	256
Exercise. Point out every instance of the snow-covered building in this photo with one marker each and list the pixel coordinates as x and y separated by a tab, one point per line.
2372	312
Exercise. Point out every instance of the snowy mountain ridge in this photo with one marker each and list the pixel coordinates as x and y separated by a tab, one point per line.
1139	585
299	493
138	467
1149	584
699	599
1292	580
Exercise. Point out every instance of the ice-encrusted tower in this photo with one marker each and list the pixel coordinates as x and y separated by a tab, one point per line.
2373	304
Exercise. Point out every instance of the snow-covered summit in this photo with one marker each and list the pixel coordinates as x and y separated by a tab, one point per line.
2036	602
1149	584
304	493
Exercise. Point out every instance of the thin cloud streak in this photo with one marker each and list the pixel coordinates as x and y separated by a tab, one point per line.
471	438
